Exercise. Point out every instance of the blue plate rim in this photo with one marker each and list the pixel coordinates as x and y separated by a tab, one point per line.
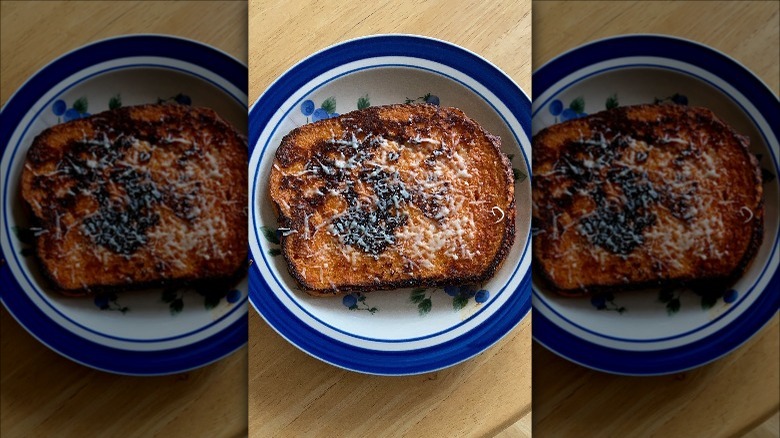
29	316
270	307
289	295
725	340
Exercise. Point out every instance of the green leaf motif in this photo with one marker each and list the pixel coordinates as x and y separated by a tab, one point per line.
417	295
665	295
460	301
176	306
577	105
270	235
81	105
24	234
273	252
767	176
511	157
673	306
329	105
211	301
363	102
612	102
708	301
115	102
519	175
168	295
425	306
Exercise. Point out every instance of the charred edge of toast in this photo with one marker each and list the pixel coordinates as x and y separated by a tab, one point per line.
228	281
489	272
119	119
38	154
723	282
56	286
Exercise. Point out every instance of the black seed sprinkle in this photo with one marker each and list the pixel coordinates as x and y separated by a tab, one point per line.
615	226
120	223
367	226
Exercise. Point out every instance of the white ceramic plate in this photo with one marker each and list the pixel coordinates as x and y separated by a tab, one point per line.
402	331
141	332
654	332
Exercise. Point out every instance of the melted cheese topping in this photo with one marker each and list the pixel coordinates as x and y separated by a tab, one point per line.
411	199
655	216
141	201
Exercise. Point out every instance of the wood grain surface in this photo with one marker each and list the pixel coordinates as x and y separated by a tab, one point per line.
41	393
290	393
732	395
293	394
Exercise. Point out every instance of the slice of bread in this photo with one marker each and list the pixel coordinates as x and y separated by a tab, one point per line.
138	196
644	195
392	196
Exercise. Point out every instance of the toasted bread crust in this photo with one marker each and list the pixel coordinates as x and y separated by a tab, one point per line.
138	196
332	177
640	196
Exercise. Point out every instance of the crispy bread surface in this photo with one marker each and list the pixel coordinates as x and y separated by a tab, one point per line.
392	196
641	196
138	196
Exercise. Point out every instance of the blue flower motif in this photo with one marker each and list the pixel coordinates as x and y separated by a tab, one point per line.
349	300
233	296
581	115
568	114
556	106
730	296
58	107
307	107
319	114
680	99
452	290
71	114
101	301
599	302
182	99
332	115
482	296
432	99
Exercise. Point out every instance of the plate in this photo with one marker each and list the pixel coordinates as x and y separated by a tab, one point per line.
405	331
661	331
145	332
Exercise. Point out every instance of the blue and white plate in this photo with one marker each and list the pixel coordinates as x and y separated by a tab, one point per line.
652	331
140	332
403	331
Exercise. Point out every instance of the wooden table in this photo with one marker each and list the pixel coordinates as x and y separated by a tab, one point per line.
44	394
291	393
732	395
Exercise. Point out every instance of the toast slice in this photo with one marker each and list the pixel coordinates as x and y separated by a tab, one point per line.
642	196
138	196
390	197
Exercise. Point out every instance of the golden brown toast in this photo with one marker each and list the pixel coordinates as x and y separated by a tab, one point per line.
138	196
392	196
644	195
